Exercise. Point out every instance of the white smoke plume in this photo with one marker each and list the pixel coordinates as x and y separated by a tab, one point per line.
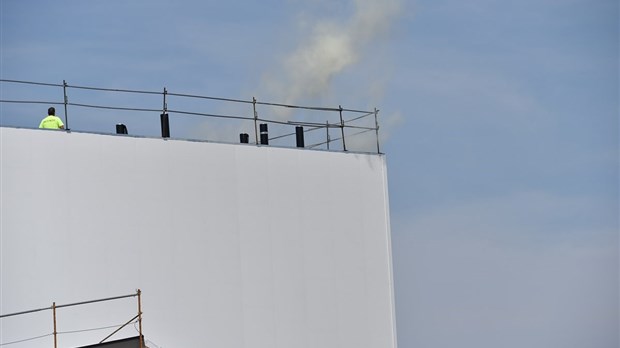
305	75
330	48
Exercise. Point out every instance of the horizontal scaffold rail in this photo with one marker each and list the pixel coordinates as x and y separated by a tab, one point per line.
68	305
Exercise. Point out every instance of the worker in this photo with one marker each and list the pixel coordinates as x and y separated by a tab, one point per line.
52	121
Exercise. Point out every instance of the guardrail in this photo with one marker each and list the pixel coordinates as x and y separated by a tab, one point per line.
334	131
136	319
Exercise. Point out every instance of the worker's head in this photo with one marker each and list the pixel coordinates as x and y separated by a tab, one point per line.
51	111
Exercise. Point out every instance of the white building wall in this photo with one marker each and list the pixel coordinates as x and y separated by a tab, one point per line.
232	245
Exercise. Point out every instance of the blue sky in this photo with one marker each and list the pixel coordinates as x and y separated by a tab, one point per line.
499	121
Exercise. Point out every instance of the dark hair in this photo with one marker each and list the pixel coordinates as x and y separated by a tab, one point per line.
51	111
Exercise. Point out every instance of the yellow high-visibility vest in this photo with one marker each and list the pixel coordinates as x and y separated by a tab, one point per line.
51	122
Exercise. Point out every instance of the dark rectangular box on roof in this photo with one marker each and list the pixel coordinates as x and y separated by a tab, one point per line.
132	342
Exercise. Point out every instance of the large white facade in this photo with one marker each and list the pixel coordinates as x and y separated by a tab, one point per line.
232	245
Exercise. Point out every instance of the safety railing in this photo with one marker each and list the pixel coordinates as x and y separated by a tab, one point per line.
137	319
330	128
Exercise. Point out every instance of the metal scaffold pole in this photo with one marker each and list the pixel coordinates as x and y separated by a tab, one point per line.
255	120
65	102
140	316
344	145
327	133
55	331
377	129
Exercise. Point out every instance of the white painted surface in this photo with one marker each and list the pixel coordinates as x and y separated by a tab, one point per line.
231	245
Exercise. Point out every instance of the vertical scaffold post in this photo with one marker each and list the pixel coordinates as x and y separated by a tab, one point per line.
327	140
165	106
377	129
55	332
344	146
140	316
255	120
66	101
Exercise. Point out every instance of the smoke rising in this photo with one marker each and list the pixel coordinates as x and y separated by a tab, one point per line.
330	47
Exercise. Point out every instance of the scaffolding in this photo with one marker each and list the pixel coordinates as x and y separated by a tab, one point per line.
54	307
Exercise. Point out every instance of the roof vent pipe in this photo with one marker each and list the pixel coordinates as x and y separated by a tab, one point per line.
264	136
165	126
299	135
121	128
